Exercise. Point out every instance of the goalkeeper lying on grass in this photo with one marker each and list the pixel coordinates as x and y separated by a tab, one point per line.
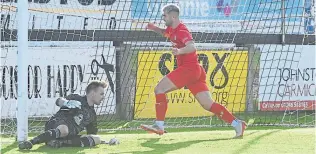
76	113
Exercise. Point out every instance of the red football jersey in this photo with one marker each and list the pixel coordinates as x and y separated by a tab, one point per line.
179	36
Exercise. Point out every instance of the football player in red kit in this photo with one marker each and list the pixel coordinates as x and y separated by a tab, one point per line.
189	73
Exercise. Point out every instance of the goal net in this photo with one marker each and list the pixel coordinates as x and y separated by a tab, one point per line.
259	58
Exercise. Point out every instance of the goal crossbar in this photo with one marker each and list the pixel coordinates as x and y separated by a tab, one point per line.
132	35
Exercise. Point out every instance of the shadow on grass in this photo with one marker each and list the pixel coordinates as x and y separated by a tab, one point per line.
253	141
158	148
164	148
45	149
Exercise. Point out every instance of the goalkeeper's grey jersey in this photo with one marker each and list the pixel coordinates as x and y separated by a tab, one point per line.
82	118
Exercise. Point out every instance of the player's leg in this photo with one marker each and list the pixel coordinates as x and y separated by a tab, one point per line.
164	86
54	129
85	141
203	96
173	81
76	141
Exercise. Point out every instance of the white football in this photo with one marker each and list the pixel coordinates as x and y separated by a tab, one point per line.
114	141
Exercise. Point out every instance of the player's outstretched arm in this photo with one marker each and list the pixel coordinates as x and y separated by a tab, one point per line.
156	29
63	102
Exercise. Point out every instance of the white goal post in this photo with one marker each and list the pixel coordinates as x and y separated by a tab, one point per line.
22	64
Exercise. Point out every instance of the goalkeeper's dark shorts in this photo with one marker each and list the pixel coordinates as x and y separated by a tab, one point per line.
54	122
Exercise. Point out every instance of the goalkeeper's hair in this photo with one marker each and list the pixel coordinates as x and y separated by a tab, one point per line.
171	8
94	84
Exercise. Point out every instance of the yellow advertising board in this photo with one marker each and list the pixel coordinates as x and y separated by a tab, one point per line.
226	78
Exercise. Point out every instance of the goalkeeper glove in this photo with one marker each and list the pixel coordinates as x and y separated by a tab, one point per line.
71	104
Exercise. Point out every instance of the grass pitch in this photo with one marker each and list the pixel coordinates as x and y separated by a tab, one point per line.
269	140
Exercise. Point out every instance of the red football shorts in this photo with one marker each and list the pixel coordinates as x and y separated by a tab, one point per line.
193	77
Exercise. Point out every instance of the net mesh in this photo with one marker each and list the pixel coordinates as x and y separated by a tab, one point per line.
74	42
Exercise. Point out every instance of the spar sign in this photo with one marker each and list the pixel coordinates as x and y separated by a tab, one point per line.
226	73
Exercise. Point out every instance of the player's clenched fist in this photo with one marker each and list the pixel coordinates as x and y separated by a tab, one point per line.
150	26
175	51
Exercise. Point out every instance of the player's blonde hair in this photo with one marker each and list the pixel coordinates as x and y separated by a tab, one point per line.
171	8
94	84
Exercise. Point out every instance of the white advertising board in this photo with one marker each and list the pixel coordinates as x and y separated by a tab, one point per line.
56	72
287	79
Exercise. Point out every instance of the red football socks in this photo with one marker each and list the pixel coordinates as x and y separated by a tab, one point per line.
221	112
161	107
218	109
